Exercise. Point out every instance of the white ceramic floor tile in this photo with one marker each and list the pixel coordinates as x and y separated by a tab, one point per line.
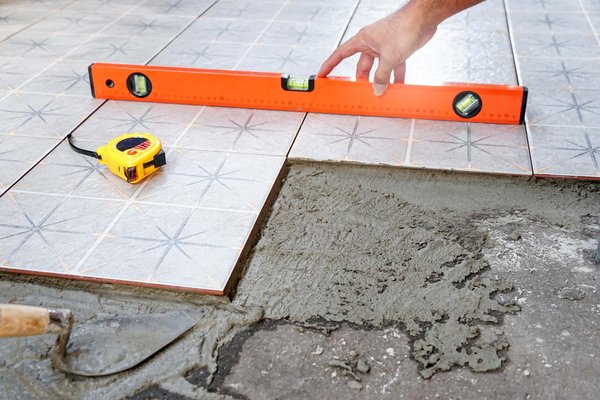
470	147
72	22
563	106
150	26
117	49
49	233
198	54
348	138
13	20
556	45
166	121
243	130
41	44
542	6
18	154
41	115
14	72
566	151
558	55
102	6
238	182
262	10
63	77
228	30
528	22
300	34
64	172
192	8
556	73
299	60
315	12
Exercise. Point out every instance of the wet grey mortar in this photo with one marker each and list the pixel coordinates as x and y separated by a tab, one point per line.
376	247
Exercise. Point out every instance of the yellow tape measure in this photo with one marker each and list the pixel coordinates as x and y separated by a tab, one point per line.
131	156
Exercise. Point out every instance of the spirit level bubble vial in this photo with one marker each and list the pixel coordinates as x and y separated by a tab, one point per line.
495	104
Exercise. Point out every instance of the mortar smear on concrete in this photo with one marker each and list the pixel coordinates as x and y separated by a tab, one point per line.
349	252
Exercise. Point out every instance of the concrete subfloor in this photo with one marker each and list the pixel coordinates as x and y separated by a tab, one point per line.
357	271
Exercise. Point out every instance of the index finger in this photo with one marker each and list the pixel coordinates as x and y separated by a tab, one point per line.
344	51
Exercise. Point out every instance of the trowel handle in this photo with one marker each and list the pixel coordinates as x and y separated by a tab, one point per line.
17	320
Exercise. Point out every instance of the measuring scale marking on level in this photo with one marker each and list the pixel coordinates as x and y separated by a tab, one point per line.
498	104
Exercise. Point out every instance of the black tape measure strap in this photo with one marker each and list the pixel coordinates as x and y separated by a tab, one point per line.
79	150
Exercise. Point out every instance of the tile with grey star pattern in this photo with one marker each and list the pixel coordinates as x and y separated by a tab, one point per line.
71	22
166	121
14	72
18	154
470	147
326	137
150	26
117	49
565	151
49	233
186	8
43	115
103	6
63	77
41	44
223	30
199	54
243	131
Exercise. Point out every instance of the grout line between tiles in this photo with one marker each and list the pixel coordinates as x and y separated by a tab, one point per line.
589	21
152	203
296	136
354	10
511	40
411	135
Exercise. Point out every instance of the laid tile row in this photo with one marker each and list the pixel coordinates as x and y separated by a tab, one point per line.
557	52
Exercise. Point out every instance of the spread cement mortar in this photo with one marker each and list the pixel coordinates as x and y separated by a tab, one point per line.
429	256
351	251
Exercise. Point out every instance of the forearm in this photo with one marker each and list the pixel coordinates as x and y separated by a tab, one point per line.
433	12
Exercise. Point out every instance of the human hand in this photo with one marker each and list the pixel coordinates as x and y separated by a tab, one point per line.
391	40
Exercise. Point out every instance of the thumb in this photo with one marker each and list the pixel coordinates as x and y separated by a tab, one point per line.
382	77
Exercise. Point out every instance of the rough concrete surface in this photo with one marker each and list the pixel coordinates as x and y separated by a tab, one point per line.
368	282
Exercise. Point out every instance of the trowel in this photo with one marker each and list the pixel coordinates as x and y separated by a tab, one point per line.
99	348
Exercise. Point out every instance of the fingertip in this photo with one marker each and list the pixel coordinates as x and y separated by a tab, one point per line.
379	89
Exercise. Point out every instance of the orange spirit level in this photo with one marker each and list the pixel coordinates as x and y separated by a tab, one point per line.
497	104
